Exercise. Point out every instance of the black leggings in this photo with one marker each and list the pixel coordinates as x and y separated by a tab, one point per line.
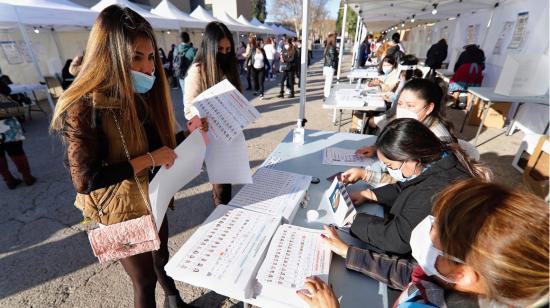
287	76
258	76
147	268
12	148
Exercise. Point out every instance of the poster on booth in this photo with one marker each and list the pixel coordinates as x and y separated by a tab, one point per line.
519	31
523	75
11	52
504	37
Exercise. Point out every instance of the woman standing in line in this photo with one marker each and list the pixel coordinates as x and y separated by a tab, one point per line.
259	65
270	52
215	61
124	110
331	63
287	67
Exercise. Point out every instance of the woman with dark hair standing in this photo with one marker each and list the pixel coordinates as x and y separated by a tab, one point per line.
259	64
287	67
422	165
118	126
330	64
216	60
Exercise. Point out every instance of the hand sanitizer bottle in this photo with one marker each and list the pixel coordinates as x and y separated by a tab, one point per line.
298	133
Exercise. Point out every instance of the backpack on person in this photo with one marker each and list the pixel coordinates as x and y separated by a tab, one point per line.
182	62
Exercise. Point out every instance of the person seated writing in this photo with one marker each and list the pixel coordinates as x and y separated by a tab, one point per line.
422	165
486	245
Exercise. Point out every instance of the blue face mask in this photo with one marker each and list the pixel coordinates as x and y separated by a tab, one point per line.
142	82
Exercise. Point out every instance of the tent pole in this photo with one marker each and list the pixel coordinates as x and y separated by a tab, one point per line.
238	39
342	40
355	46
33	57
303	62
56	42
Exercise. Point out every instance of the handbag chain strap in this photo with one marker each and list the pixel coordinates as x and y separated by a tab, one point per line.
129	158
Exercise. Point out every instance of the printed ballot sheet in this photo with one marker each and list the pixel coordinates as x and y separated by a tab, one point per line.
224	254
345	157
273	192
350	97
227	110
186	167
227	162
294	254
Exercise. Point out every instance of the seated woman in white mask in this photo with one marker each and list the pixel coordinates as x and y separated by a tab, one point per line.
486	245
422	165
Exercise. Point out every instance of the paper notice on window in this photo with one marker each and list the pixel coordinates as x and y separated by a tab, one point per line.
227	110
227	162
518	37
186	167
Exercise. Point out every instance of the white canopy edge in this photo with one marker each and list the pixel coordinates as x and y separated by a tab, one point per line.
168	10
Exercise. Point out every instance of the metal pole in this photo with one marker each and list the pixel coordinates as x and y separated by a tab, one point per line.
355	45
342	39
303	62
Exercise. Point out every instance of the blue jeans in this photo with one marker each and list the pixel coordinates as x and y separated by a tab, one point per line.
182	86
270	70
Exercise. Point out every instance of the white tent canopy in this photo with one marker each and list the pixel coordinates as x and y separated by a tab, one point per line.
243	21
379	15
168	10
157	22
201	14
285	31
46	13
233	24
254	21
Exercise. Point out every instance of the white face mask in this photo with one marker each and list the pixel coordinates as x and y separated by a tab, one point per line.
424	251
397	174
387	69
403	113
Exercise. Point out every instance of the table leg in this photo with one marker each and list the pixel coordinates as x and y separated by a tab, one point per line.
486	107
469	110
340	121
510	129
363	124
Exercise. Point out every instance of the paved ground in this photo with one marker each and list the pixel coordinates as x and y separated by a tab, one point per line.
45	258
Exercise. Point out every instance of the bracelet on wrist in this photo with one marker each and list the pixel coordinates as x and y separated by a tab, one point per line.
152	161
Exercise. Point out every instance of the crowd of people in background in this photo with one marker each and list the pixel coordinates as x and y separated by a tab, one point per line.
450	236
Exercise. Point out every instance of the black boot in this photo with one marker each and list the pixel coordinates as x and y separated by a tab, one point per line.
23	167
175	301
11	181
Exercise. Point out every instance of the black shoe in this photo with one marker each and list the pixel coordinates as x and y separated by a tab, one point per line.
291	96
255	93
12	184
281	96
175	301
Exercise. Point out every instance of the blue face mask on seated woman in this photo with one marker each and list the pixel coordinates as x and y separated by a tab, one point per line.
142	82
397	174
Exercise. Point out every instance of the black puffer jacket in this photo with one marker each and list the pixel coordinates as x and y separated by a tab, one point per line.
407	203
471	54
331	57
436	55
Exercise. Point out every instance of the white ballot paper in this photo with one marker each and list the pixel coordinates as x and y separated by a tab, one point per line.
227	110
227	163
294	254
186	167
273	192
226	251
375	100
345	157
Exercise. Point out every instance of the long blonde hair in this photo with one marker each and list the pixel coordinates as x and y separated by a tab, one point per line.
106	70
502	233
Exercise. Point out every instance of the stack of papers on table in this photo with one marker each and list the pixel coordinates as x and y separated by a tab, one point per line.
295	253
273	192
350	97
374	100
226	251
345	157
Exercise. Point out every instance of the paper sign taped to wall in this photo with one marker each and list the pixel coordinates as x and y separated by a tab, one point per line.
523	75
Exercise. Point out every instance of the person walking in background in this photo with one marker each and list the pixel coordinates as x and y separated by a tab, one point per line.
241	52
247	64
216	60
119	128
183	59
270	52
11	142
468	72
172	78
330	64
297	65
287	67
435	57
259	65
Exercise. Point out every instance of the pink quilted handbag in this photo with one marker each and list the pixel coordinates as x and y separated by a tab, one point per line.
127	238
